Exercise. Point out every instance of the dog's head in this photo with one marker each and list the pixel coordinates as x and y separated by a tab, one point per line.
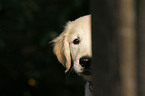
74	44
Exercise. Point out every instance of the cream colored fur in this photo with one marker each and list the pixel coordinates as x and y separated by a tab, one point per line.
65	49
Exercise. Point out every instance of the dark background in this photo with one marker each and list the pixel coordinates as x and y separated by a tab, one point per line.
28	66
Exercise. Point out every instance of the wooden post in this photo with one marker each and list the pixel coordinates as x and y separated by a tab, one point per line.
114	47
141	47
105	68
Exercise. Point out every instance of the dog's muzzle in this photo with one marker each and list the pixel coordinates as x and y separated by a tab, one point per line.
85	62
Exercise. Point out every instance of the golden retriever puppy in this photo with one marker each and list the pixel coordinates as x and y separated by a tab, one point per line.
74	44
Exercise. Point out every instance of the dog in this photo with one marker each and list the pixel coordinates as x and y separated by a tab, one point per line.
75	44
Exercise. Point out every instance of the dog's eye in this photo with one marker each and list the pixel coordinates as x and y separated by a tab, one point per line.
76	41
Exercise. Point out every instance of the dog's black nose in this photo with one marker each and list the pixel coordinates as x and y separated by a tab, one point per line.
85	61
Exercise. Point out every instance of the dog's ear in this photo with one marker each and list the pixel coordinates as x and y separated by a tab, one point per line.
61	48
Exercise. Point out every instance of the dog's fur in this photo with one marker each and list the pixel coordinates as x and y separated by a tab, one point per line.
66	49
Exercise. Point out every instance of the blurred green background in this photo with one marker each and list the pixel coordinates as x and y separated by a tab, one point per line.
28	66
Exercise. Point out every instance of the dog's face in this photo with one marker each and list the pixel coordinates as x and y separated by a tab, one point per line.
74	44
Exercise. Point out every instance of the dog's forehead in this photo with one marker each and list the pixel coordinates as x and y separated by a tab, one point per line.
81	26
82	23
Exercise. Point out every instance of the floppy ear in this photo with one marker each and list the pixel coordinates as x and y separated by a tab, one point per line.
61	48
